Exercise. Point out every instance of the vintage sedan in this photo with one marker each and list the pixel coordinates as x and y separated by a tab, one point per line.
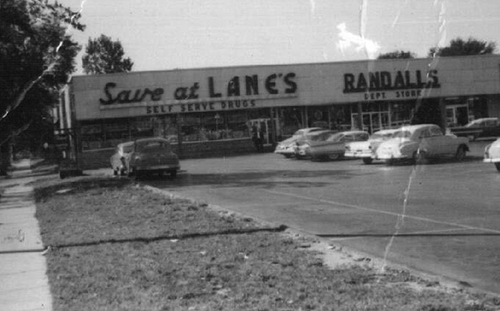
420	142
148	155
328	144
287	147
119	160
365	150
492	153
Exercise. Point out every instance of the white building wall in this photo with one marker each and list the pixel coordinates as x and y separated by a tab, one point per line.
316	84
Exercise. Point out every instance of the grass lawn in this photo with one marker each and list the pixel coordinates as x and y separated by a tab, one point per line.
115	245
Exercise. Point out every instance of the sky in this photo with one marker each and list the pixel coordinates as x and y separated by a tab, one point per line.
180	34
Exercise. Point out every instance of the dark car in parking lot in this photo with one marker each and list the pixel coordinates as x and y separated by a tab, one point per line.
145	156
484	127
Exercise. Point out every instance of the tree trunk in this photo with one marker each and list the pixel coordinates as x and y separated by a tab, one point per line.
5	157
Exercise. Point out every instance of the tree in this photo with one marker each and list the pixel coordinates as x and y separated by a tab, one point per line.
459	47
103	55
397	55
36	58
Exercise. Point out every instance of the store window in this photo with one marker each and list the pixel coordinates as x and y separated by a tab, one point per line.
318	117
91	135
214	126
401	112
340	117
290	120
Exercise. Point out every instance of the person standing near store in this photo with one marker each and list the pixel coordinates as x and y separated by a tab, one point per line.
256	138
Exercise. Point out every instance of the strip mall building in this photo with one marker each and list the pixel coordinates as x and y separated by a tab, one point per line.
210	111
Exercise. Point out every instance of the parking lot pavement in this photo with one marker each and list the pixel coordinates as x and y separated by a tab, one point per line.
440	218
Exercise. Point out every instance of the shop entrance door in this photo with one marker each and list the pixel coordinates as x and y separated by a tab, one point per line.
457	115
372	121
263	129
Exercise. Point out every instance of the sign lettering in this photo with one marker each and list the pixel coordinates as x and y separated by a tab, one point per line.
236	87
380	81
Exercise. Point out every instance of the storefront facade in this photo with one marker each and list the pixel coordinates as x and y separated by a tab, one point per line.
211	111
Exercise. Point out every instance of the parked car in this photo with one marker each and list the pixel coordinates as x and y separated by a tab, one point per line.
145	156
492	153
287	147
365	150
328	144
484	127
120	159
420	142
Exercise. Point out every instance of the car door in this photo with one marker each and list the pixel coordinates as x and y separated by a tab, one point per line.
439	144
428	143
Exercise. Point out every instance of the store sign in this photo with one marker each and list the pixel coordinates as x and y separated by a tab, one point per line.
381	85
202	106
239	88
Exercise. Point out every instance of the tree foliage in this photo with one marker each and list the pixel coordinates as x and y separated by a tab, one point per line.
397	55
103	55
36	58
459	47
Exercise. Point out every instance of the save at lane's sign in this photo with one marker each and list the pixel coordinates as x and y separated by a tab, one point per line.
250	85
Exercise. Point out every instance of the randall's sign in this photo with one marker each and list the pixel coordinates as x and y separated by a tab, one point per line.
379	85
236	89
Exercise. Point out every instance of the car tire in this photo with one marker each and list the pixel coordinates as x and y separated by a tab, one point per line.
333	156
389	162
419	157
288	156
115	172
461	153
367	160
497	165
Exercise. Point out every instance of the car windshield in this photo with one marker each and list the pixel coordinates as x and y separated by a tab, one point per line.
474	123
402	134
152	146
379	135
336	137
128	148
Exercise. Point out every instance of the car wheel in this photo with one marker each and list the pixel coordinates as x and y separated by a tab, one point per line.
288	156
419	157
460	155
367	160
333	156
115	172
497	165
389	162
173	174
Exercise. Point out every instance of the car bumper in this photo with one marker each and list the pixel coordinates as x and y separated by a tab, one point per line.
491	160
158	168
285	151
359	154
390	156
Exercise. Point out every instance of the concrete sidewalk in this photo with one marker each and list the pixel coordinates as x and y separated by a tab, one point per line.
24	284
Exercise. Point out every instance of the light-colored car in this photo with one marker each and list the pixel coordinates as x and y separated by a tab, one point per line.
146	156
492	153
121	157
328	144
287	147
365	150
420	142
